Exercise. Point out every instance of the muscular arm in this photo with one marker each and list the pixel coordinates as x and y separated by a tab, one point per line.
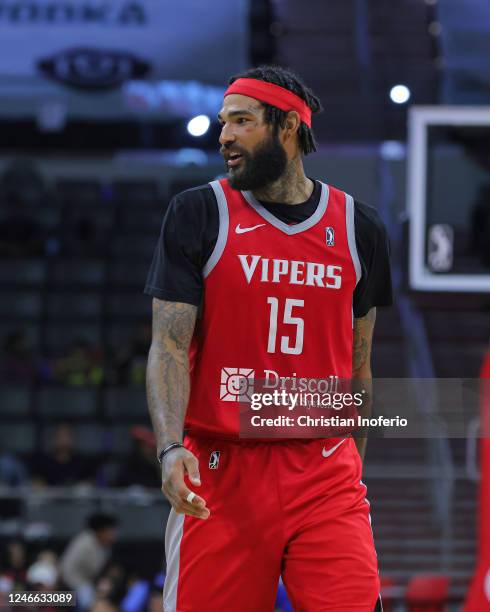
167	388
167	378
361	369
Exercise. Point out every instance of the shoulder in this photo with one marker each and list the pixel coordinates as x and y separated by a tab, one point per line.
193	207
369	227
197	200
367	216
82	541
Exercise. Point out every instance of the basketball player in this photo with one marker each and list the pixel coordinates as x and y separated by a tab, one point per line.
266	270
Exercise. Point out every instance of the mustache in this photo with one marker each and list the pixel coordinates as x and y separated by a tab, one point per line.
228	150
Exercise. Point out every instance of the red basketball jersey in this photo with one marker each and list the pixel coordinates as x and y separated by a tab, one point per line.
277	303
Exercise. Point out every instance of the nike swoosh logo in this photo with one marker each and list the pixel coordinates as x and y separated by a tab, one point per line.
330	451
243	230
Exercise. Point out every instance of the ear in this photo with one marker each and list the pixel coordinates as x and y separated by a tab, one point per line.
293	122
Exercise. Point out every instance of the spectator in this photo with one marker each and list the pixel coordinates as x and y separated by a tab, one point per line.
155	603
140	467
13	567
104	604
136	597
83	237
18	362
81	366
43	573
86	555
110	585
12	471
20	233
130	361
61	465
24	180
22	191
110	597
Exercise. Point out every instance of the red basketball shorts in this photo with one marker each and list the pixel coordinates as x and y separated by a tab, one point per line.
295	509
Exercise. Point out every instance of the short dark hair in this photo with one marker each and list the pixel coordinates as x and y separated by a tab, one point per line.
100	520
284	77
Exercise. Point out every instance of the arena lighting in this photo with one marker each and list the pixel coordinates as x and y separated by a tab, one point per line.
400	94
199	125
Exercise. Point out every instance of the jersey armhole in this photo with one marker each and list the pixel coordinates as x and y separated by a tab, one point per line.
351	241
351	235
219	247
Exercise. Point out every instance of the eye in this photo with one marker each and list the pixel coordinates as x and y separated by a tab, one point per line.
241	120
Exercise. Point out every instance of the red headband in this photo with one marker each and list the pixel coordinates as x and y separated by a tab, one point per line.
274	95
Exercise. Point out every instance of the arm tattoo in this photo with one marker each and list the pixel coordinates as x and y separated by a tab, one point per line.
363	336
361	371
167	376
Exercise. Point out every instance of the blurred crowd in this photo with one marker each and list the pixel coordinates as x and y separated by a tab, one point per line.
89	563
87	566
61	465
25	229
80	364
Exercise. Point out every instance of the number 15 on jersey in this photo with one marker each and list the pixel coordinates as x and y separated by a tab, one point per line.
288	319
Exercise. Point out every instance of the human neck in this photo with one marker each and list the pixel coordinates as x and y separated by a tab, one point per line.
294	187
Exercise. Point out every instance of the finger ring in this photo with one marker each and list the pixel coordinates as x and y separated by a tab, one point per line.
190	497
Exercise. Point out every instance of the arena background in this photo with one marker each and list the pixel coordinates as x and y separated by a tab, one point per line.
96	103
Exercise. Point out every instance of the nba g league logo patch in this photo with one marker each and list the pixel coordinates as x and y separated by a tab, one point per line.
214	460
330	236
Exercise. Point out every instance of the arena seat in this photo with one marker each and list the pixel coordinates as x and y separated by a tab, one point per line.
79	191
30	331
78	272
141	521
21	304
60	335
126	403
129	305
18	437
64	517
119	440
66	403
102	216
127	274
74	305
26	272
15	401
145	220
128	244
91	438
123	333
49	217
136	192
88	436
427	593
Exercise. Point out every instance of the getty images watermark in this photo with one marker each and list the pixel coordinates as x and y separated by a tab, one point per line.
340	402
291	407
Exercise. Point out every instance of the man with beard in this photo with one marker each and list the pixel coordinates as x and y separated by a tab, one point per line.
264	271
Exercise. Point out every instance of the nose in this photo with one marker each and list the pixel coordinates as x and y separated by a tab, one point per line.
226	136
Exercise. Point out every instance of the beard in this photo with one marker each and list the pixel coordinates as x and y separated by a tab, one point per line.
265	165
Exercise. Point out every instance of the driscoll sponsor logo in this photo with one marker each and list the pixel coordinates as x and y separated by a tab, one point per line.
237	384
272	380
